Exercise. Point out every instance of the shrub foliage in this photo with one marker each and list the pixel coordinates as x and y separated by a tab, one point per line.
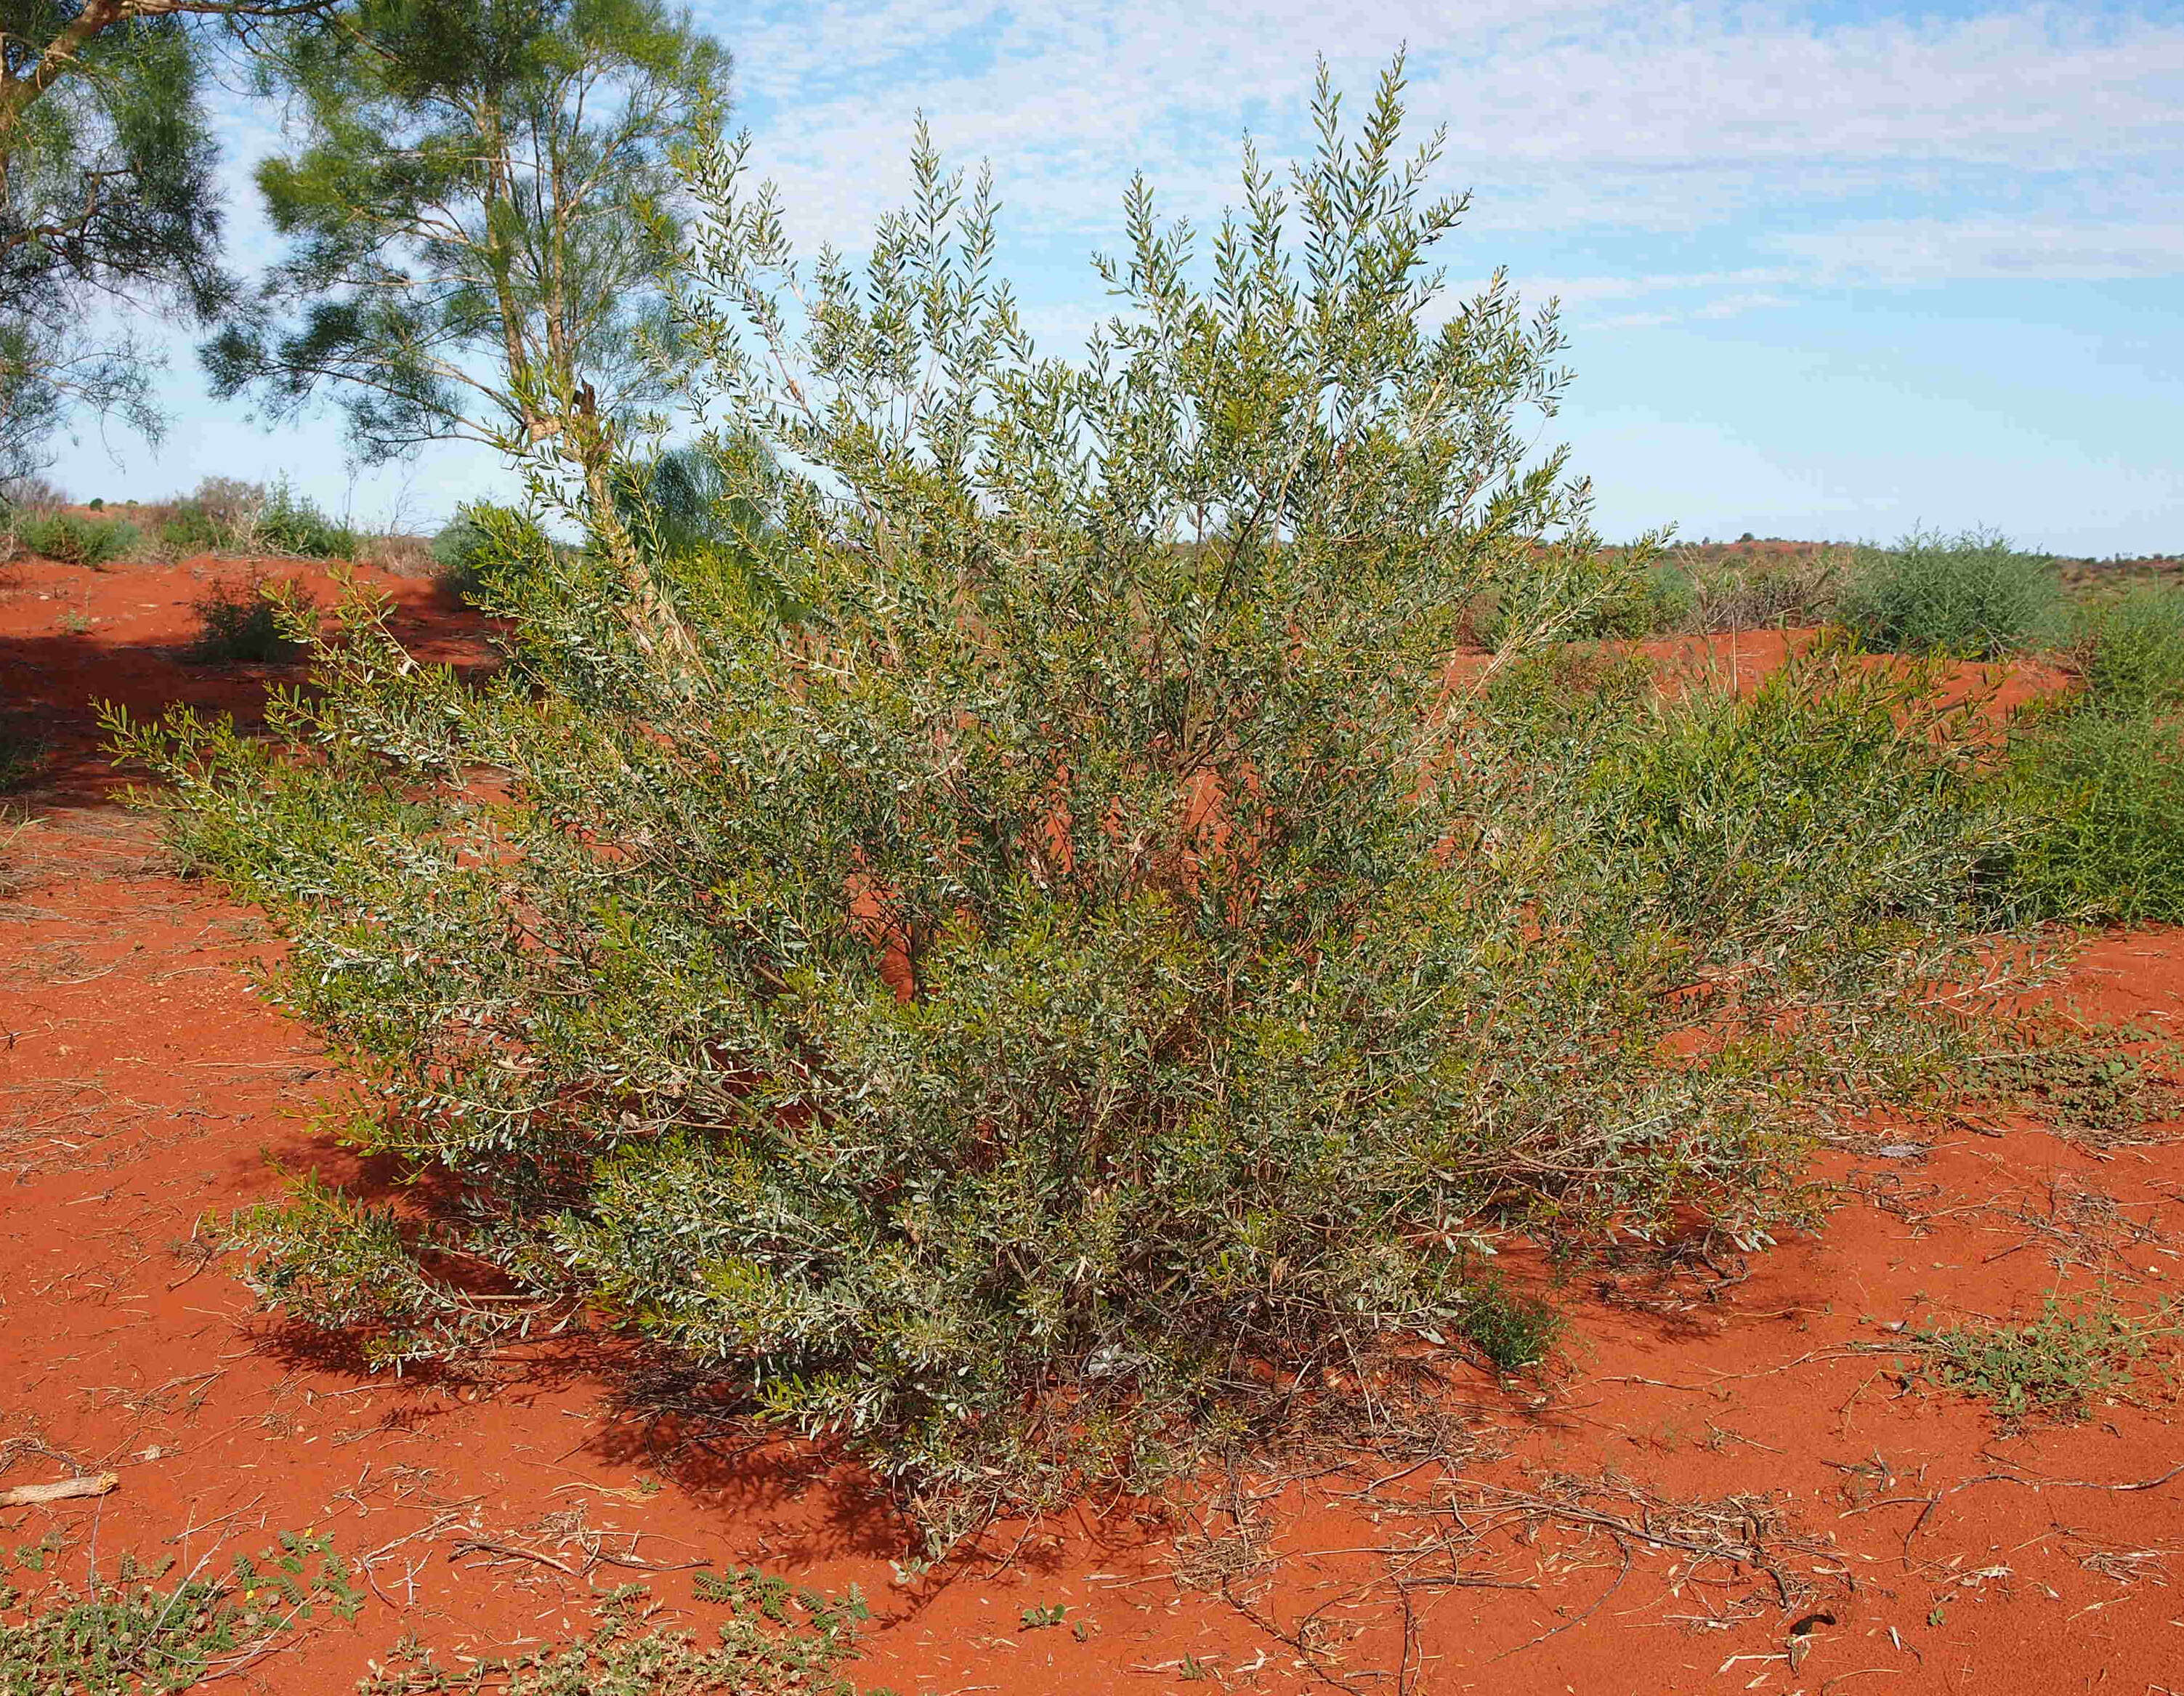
1972	595
1011	946
77	541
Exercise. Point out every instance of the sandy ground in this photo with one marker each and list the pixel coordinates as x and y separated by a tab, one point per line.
1733	1482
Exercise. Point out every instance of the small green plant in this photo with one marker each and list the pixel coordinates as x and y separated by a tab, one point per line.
136	1637
1039	1618
76	541
76	621
778	1639
1971	595
2088	1085
240	624
1513	1332
2054	1366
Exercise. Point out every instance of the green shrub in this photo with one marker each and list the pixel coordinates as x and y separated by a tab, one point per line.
295	525
75	541
1575	594
190	528
2096	801
1972	595
240	624
1026	996
457	553
228	516
2131	650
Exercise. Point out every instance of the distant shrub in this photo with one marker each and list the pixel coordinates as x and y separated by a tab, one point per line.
2131	650
1766	596
97	503
28	492
398	556
1972	595
240	624
228	516
293	524
2097	802
188	528
458	553
74	541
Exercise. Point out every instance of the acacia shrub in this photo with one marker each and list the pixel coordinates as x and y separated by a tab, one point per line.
1972	595
1009	946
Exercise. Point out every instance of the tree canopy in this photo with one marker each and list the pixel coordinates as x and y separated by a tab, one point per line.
479	214
107	190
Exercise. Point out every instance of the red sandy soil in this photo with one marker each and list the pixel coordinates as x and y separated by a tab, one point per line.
145	1091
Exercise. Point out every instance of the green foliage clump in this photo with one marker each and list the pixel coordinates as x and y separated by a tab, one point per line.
2099	1086
1832	790
242	623
229	516
2054	1366
459	552
293	524
1513	1331
2130	651
479	208
1015	951
1575	594
779	1640
76	541
136	1637
2097	799
1971	595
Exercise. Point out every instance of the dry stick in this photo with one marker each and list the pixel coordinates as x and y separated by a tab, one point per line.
469	1544
68	1489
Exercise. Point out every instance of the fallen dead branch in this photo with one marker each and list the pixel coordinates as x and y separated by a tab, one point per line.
66	1490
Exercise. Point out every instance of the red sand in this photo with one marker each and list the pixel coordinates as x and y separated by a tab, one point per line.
143	1089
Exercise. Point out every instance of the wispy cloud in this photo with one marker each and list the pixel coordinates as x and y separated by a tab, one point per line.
1783	135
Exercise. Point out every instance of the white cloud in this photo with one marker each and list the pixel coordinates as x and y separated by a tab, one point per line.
1567	116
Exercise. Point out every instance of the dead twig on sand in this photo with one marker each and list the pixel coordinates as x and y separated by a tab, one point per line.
67	1490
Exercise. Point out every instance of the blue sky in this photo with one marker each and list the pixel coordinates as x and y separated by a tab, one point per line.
1832	270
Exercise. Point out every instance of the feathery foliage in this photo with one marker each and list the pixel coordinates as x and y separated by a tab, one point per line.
478	212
